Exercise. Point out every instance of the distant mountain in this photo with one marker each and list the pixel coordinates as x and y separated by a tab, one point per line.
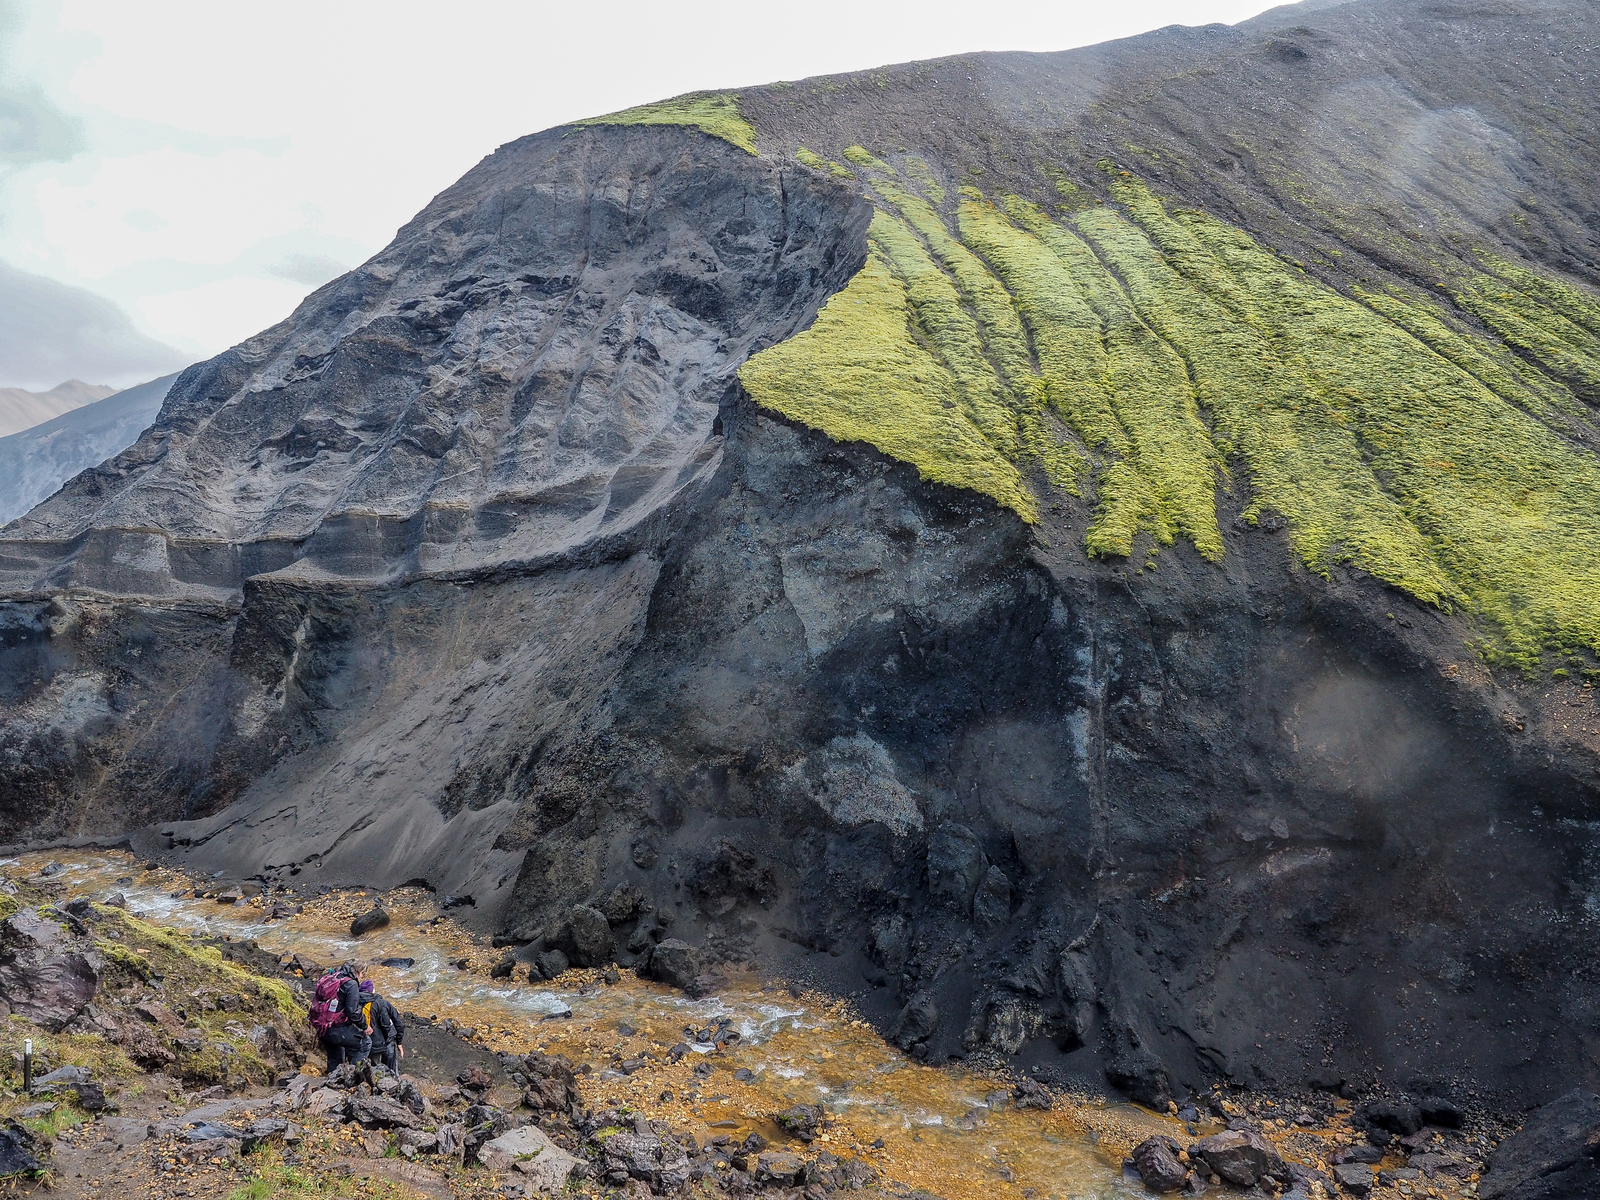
37	461
21	409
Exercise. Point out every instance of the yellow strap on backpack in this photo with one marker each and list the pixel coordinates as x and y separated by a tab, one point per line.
366	1014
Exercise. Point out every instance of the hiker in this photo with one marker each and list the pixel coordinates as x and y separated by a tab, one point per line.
388	1030
337	1016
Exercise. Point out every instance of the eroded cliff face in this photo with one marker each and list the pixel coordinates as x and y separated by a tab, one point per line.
486	568
365	564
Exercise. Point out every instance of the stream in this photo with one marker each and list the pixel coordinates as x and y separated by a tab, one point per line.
949	1131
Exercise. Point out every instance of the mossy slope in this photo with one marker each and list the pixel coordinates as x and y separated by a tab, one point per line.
1390	434
716	114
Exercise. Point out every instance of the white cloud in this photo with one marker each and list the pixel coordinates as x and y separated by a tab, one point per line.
50	332
220	314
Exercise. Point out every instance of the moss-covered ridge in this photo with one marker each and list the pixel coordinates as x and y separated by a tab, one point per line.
713	113
1137	351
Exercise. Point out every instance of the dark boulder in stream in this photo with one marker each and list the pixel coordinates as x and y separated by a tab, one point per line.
1091	553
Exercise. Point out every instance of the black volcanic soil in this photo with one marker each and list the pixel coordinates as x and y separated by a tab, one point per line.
1212	824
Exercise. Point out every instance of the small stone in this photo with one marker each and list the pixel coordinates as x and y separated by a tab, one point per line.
230	896
1355	1178
778	1167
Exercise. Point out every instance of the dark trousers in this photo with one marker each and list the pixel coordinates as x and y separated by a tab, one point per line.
387	1053
345	1043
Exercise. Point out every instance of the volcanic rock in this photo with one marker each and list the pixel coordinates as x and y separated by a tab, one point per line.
591	936
1243	1159
1552	1157
373	918
531	1152
1156	1160
675	962
829	499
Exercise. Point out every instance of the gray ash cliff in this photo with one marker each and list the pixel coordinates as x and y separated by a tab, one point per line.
483	568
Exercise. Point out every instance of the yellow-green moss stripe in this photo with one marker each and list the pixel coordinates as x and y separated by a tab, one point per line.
1506	508
717	115
1141	407
859	375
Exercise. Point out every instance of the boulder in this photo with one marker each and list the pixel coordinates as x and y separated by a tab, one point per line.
551	1086
18	1151
377	1113
41	977
503	968
1241	1157
529	1151
1138	1073
956	865
373	918
675	962
1554	1156
474	1079
1160	1169
916	1022
622	902
591	936
991	906
27	930
547	964
1391	1116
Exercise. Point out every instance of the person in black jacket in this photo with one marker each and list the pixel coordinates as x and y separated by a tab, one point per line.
388	1030
351	1039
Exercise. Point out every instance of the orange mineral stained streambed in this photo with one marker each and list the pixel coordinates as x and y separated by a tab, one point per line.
948	1131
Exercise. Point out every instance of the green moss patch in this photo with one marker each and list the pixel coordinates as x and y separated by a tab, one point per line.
1145	350
716	114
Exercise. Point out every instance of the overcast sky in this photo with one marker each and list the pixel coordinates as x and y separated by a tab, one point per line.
175	176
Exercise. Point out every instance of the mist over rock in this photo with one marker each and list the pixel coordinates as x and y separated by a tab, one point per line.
1092	552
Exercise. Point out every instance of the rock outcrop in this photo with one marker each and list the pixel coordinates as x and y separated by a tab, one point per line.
1095	551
